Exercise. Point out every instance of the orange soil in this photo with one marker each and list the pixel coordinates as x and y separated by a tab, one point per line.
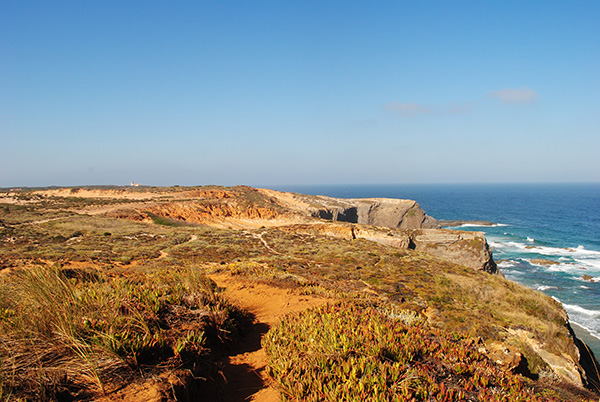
244	370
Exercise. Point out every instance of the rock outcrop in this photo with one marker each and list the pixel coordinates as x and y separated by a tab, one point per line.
420	231
564	364
384	212
465	248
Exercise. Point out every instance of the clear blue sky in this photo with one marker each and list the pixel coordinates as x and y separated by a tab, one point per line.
304	92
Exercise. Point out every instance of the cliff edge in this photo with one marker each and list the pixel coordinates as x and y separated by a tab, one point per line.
384	212
410	226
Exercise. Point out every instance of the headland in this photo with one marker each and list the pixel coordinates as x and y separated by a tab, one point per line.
188	293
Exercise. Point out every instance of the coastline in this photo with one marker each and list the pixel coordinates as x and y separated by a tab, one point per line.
548	235
584	335
456	299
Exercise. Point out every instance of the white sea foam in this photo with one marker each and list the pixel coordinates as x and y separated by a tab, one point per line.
575	270
507	264
578	309
573	261
545	287
593	333
585	318
590	263
479	225
589	256
530	239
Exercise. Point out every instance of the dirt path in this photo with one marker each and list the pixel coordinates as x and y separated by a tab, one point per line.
259	236
44	221
244	369
164	254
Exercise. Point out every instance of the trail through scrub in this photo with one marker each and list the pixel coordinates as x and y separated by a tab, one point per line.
244	369
164	254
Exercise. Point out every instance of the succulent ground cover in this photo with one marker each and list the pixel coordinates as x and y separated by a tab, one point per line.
352	352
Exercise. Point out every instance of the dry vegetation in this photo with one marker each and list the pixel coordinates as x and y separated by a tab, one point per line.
91	301
73	333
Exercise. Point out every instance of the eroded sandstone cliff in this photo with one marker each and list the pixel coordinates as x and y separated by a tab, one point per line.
384	212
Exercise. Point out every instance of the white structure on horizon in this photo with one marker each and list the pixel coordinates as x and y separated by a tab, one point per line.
133	184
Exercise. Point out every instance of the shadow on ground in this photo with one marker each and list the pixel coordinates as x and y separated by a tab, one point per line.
240	372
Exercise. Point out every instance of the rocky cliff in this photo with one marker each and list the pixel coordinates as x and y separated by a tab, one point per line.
384	212
465	248
418	230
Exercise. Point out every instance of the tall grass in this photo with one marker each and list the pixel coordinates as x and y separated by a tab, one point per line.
69	331
42	333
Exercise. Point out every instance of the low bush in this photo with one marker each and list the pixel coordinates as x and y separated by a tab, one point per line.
346	352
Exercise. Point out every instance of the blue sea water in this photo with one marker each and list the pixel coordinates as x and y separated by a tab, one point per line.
557	222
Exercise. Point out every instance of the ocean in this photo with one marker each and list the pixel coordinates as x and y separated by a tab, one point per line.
545	236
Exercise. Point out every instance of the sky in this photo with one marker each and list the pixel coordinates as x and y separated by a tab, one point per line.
298	92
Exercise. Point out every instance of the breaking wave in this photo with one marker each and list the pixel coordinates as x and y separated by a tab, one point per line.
546	287
479	225
585	318
581	310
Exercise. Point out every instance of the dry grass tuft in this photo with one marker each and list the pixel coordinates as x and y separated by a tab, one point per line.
63	334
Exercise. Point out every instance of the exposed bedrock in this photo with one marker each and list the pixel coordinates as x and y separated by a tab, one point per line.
466	248
384	212
418	230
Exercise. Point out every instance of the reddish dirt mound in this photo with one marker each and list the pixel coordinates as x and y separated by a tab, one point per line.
200	212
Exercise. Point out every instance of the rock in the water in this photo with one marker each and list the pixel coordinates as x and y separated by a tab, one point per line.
544	262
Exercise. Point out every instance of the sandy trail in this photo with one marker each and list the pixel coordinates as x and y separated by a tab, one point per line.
244	369
164	254
259	236
42	221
